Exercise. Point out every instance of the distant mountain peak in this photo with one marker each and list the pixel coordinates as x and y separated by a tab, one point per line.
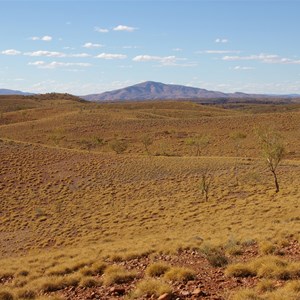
151	90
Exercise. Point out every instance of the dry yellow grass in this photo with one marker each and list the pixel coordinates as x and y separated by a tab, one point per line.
149	287
68	201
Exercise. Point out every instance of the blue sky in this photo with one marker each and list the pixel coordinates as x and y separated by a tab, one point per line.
84	47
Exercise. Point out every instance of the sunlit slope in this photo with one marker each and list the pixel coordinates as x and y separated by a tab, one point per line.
53	198
170	124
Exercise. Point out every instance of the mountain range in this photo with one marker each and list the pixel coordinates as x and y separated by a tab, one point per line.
151	90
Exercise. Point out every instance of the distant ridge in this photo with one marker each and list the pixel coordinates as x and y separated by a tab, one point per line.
13	92
151	90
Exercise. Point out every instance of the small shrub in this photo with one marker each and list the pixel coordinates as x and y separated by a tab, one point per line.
119	146
26	294
151	287
267	248
157	269
95	269
215	255
117	274
246	294
67	268
180	274
271	267
217	259
240	270
234	250
54	283
116	258
293	286
266	285
23	273
89	282
4	295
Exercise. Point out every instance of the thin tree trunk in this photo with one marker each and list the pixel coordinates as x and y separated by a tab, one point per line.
276	181
198	150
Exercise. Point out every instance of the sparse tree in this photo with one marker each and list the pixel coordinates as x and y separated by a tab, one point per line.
237	138
119	146
206	180
147	141
273	152
200	142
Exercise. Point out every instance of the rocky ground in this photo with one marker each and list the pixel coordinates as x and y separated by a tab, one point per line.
210	283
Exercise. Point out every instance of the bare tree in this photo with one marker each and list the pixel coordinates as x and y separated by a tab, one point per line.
206	180
200	142
147	141
119	146
273	151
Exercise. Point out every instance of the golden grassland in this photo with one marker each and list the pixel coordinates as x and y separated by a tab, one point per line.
68	201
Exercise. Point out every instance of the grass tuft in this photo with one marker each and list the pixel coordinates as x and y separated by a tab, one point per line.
151	287
240	270
117	274
246	294
180	274
89	282
157	269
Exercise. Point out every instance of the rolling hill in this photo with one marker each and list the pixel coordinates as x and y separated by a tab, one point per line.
80	220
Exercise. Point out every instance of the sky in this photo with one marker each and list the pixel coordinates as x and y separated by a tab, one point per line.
90	46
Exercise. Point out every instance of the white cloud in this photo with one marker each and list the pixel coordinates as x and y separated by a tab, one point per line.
45	53
11	52
111	56
53	65
219	51
101	30
221	40
37	63
265	58
45	38
79	55
240	68
164	60
91	45
177	49
130	47
262	57
124	28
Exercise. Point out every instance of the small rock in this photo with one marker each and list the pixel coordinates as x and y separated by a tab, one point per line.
199	292
117	291
185	293
166	296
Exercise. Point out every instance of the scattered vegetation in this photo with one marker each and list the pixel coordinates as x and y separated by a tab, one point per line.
72	213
